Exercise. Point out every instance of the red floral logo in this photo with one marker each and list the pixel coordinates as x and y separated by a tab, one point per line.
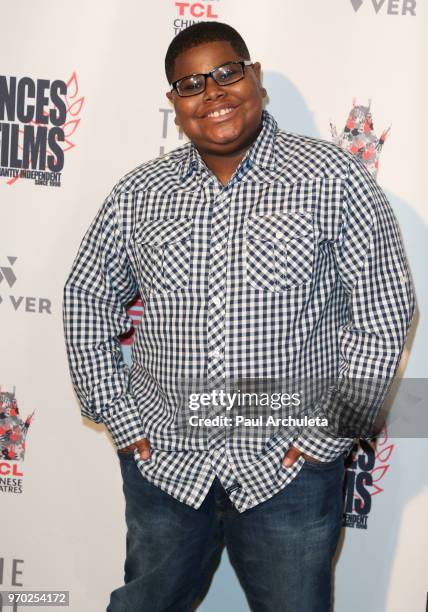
13	430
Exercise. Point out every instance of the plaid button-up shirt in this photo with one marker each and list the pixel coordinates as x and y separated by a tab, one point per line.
294	269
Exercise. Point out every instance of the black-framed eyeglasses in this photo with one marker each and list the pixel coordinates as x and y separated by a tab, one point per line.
226	74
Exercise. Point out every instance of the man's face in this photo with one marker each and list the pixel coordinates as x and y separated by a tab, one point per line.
228	133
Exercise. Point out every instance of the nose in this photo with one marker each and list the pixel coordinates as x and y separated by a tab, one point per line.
213	90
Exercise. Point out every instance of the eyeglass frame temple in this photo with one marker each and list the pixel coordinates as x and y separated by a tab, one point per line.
207	74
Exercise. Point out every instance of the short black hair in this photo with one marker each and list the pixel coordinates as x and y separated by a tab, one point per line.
200	33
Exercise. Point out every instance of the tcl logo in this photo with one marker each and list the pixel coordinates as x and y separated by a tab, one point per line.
195	9
6	469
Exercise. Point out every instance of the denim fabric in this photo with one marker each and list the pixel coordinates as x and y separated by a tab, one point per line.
281	549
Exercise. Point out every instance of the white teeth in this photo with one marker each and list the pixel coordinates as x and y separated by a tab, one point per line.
221	112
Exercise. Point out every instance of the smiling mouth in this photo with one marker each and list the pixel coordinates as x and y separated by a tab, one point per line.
221	112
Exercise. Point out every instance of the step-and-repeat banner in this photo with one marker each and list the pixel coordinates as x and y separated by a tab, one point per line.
82	101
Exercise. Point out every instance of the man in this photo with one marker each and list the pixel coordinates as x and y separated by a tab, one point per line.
259	255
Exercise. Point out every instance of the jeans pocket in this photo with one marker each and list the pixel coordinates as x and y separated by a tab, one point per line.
324	465
125	455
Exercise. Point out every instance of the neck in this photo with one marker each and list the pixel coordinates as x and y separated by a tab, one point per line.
223	165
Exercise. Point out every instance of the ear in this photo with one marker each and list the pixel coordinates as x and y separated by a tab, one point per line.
258	73
170	96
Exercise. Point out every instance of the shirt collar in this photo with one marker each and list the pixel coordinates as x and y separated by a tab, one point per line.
261	153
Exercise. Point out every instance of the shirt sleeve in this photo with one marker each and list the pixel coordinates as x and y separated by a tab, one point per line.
97	289
373	269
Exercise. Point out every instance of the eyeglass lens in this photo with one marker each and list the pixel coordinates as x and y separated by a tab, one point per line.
225	75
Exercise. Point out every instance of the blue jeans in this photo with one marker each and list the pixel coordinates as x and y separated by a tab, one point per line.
281	549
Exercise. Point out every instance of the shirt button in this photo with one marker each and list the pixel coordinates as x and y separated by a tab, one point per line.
218	247
217	454
217	301
216	352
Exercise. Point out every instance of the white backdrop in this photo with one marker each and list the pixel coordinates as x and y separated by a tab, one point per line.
62	508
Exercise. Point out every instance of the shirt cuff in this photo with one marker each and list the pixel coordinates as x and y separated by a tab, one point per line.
123	421
318	445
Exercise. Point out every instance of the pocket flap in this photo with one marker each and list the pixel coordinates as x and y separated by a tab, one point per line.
281	226
163	231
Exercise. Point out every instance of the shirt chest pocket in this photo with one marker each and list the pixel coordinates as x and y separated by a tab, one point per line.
280	250
163	249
